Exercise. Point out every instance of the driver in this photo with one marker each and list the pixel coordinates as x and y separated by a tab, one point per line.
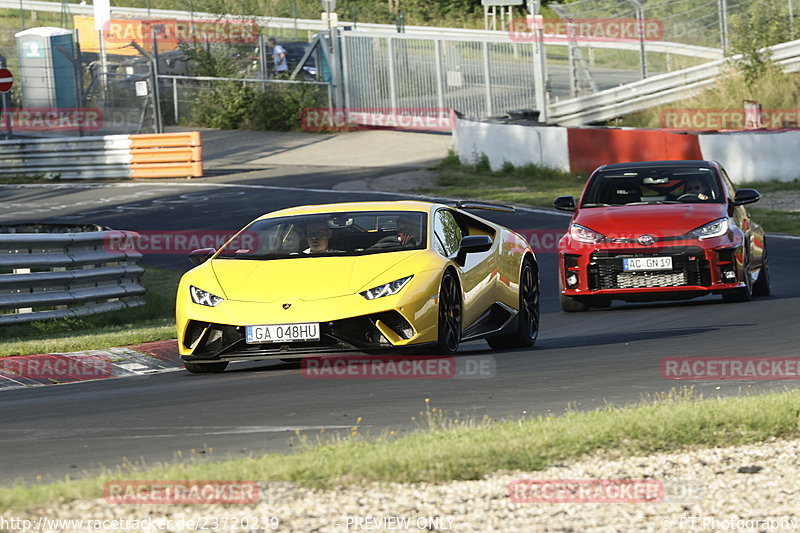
318	235
696	187
407	227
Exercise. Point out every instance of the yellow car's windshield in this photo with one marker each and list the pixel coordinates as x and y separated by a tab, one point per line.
340	233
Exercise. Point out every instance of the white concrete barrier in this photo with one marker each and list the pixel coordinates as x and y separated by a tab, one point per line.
517	144
755	156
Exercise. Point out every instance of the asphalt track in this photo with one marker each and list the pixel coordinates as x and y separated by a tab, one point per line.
581	360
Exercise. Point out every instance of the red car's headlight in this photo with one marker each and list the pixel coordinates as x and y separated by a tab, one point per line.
717	228
584	234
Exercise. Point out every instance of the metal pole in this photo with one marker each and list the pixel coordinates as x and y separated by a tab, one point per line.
345	73
336	68
175	99
722	5
22	14
540	74
392	84
573	67
159	126
791	19
437	57
103	63
637	5
486	79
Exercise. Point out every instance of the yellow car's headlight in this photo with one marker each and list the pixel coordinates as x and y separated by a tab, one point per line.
387	289
199	296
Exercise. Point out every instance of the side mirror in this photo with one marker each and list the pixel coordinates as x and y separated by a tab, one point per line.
474	244
198	257
746	196
564	203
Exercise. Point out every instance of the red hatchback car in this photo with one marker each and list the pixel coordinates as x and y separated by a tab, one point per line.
660	230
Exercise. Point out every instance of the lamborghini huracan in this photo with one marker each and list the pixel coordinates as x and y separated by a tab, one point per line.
372	277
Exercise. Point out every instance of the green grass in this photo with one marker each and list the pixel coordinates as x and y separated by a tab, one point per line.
447	449
529	185
539	186
150	322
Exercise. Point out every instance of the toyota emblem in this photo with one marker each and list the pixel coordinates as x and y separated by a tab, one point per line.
287	306
646	240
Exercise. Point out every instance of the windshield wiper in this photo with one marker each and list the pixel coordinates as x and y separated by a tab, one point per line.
596	205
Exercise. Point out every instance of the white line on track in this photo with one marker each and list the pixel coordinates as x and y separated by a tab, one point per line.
426	197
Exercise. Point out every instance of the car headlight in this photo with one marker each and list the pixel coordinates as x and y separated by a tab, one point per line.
199	296
387	289
712	229
583	234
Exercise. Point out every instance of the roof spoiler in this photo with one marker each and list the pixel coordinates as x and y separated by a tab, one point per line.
461	204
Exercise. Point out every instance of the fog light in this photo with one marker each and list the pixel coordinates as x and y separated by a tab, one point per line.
729	275
572	280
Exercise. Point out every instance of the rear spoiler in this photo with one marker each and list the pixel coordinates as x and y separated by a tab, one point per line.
462	204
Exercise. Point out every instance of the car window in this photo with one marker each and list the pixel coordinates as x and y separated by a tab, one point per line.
447	233
339	233
652	185
728	183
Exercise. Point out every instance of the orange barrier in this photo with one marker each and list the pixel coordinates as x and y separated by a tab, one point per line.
166	155
591	147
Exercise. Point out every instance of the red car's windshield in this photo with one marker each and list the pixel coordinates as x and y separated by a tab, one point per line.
652	185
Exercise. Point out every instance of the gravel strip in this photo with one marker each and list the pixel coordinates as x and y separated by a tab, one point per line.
718	489
780	201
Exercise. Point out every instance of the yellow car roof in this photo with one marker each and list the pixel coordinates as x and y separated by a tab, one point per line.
402	205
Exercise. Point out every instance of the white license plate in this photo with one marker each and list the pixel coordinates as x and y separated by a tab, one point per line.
635	264
282	333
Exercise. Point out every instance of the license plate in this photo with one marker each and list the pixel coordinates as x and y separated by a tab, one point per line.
282	333
634	264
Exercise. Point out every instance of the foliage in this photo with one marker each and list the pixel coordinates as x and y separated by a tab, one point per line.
762	24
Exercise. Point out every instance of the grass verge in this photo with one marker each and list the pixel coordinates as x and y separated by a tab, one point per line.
153	321
446	449
539	186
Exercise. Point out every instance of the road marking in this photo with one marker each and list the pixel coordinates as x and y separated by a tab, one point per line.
425	197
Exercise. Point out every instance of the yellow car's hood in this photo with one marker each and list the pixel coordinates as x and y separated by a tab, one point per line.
305	278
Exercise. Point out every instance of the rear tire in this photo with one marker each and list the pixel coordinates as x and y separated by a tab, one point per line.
206	368
528	315
761	286
449	328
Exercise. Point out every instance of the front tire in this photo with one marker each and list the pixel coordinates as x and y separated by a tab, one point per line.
743	294
762	287
449	330
206	368
528	315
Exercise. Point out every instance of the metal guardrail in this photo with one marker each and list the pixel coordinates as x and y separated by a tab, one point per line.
67	157
658	90
56	275
319	25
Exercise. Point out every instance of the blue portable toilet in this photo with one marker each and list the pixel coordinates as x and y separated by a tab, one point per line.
47	75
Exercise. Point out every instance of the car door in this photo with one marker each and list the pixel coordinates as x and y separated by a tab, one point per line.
476	272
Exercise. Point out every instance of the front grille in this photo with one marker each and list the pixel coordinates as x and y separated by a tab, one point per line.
689	267
631	280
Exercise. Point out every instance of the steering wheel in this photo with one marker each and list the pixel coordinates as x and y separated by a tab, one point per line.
690	197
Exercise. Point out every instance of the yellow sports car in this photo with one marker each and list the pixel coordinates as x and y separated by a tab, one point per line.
358	277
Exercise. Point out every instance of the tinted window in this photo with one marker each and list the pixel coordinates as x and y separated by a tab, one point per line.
652	185
340	233
447	233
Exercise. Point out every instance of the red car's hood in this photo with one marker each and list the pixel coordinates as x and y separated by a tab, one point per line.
661	220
